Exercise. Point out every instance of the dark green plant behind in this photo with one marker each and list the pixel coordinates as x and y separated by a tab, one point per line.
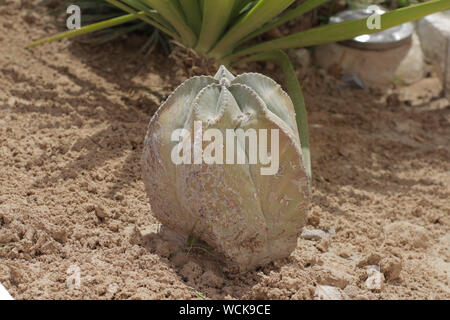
98	10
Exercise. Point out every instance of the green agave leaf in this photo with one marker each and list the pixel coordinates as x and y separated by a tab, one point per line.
292	14
139	6
172	11
216	15
107	35
262	12
88	29
193	14
344	30
240	5
134	6
91	18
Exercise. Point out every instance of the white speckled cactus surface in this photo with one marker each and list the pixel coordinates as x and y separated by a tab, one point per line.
247	218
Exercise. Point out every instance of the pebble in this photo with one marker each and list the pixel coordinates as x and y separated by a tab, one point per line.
314	234
351	81
371	259
375	279
100	212
333	277
329	293
391	268
323	245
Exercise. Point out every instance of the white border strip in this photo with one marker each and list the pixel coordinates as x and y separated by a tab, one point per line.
4	295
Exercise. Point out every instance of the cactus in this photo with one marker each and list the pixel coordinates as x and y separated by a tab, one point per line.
247	217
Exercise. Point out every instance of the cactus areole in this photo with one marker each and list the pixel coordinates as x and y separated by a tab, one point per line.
222	161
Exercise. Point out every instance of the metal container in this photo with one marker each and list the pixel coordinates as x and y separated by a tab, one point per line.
383	40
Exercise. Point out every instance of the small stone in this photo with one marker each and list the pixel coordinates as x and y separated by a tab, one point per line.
29	233
92	188
16	276
329	293
333	277
12	102
351	81
375	279
100	212
438	104
371	259
314	219
312	260
420	92
323	245
343	253
59	235
114	226
119	196
391	268
314	234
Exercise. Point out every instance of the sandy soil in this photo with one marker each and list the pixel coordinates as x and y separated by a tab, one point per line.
72	123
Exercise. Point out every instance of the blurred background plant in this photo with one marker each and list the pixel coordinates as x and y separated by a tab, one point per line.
94	11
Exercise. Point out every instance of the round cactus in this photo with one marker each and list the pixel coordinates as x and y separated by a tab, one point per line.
222	161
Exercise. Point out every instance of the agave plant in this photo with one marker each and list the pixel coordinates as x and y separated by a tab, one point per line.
247	215
223	30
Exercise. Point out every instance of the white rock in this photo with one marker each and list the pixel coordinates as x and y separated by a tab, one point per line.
375	279
329	293
4	295
434	33
439	104
314	234
421	92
